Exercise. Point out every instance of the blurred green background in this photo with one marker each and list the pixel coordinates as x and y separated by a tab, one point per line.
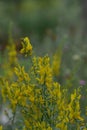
40	18
48	24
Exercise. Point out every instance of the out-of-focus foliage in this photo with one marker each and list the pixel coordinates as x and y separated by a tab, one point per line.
37	17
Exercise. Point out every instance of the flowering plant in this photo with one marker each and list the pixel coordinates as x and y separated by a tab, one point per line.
35	99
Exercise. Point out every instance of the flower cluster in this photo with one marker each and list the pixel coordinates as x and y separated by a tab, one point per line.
36	99
27	48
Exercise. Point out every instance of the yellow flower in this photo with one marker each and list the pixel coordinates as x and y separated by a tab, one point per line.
62	125
44	72
0	127
21	74
27	47
31	98
84	128
74	107
12	53
49	128
56	63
